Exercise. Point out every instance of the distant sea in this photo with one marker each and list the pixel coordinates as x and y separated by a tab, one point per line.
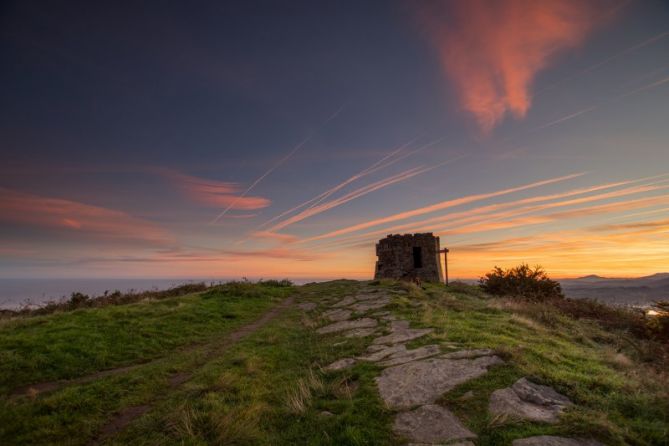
15	293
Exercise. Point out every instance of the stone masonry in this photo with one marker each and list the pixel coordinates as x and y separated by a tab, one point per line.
409	257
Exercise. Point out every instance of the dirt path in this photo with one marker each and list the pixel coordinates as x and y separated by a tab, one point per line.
121	419
50	386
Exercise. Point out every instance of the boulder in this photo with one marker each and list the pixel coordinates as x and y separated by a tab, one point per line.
525	400
341	364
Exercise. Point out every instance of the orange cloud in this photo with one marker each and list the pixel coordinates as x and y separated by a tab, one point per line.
215	193
492	50
80	218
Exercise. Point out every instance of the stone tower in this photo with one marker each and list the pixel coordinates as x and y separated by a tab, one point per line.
409	257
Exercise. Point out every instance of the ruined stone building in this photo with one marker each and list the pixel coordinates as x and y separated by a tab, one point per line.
409	257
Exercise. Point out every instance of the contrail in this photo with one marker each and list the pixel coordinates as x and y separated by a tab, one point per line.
279	163
593	67
360	192
322	196
645	87
566	118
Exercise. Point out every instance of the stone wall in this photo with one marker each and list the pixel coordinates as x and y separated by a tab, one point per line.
409	257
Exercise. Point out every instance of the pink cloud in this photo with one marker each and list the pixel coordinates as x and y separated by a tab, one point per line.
79	218
492	50
214	193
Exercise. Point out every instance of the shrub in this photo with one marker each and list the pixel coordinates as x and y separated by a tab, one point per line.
521	281
658	320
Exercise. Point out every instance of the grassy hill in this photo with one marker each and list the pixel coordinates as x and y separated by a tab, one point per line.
243	364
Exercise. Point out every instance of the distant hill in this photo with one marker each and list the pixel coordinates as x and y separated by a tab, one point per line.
639	291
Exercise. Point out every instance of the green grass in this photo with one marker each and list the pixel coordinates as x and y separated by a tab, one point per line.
270	387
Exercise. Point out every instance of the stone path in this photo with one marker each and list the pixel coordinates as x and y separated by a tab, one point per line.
414	379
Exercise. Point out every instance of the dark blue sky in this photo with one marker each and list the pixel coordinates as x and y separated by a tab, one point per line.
159	116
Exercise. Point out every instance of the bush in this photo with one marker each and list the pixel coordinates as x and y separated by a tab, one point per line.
658	321
521	281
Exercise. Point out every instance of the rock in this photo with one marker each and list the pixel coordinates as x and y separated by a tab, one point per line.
549	440
430	424
348	325
384	352
468	395
341	364
371	304
423	382
400	332
344	302
402	357
376	348
337	315
467	354
367	296
326	414
360	333
306	306
525	400
457	443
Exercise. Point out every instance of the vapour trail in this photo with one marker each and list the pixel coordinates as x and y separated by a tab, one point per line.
339	186
279	163
439	206
358	193
593	67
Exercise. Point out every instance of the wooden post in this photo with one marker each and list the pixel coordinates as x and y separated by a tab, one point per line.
445	251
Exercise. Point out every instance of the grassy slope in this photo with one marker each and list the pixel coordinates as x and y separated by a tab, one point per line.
270	389
169	336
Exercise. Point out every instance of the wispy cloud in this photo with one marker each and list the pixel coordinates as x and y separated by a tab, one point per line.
439	206
214	193
77	218
357	193
276	165
493	50
387	160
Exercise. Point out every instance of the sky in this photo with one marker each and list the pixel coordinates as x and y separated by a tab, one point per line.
283	139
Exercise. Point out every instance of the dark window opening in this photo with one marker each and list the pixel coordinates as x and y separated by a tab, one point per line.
417	257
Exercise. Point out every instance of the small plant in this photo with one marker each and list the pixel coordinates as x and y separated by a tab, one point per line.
521	281
658	320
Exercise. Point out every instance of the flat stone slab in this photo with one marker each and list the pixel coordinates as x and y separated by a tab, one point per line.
400	332
468	354
367	296
384	352
341	364
549	440
457	443
360	333
431	424
344	302
306	306
365	322
405	356
371	304
525	400
423	382
337	315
